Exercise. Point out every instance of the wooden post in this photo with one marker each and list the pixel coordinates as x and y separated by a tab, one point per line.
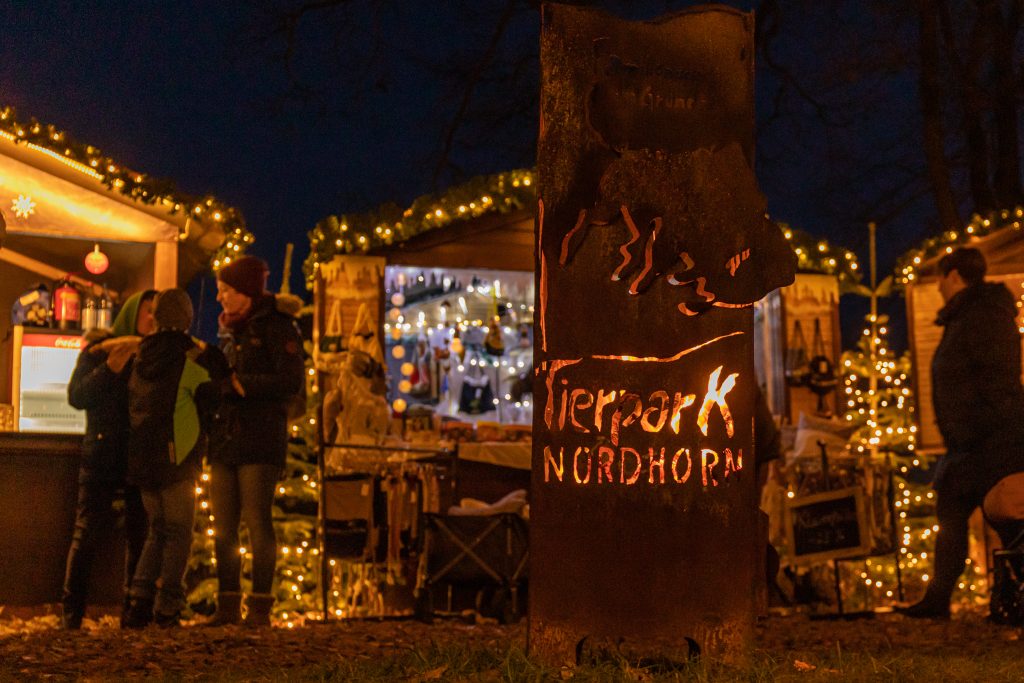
652	247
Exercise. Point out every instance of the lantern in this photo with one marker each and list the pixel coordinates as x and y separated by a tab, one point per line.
96	262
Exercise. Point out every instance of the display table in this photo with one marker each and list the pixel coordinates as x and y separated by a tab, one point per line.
514	454
489	470
38	495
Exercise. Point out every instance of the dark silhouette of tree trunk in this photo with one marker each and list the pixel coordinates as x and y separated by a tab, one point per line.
1006	93
933	125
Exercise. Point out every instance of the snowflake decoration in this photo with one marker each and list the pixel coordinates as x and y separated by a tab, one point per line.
23	206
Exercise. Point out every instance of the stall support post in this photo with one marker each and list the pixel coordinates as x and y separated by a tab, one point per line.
321	511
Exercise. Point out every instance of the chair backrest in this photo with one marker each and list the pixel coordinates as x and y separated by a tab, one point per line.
349	498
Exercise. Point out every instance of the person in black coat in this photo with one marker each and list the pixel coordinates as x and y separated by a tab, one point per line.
979	409
99	385
250	433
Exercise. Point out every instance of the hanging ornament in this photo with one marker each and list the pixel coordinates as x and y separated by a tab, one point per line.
96	262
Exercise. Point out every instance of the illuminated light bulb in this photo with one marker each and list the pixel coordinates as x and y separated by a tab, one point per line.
407	369
398	352
399	405
405	386
397	299
396	333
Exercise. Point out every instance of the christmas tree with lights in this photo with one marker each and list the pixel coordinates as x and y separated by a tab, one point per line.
880	404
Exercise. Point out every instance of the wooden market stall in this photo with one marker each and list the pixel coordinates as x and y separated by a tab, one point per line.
62	202
794	325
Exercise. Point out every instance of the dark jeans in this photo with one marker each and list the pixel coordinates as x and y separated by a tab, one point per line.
165	556
95	514
244	494
954	507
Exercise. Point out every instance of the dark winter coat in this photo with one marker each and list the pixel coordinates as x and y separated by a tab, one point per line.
266	355
976	389
103	395
173	392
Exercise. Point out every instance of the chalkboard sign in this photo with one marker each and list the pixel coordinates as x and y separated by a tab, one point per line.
830	525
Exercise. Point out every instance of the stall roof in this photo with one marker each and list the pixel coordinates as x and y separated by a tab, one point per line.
998	235
53	186
487	222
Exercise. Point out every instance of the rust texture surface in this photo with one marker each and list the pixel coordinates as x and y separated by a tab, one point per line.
652	247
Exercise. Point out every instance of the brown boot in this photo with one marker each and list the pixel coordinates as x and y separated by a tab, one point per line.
258	608
229	610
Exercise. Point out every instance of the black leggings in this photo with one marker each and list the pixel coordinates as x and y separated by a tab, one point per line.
244	493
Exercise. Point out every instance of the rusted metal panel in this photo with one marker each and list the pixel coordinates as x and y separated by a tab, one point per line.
652	247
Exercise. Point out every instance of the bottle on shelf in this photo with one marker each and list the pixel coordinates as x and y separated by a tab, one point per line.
67	305
89	311
105	310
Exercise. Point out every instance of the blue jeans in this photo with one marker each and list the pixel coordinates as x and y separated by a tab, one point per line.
244	494
165	556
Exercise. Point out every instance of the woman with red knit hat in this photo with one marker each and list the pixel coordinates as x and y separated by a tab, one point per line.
249	437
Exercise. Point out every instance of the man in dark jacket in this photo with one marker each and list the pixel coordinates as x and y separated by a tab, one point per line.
250	437
99	385
172	391
979	408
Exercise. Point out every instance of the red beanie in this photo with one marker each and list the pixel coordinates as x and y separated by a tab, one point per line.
246	275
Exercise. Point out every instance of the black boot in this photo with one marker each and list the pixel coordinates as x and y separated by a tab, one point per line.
140	613
71	618
925	609
167	620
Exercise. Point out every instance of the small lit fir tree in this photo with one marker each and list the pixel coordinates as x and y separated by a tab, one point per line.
880	403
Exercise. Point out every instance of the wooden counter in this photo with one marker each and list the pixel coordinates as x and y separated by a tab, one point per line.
38	495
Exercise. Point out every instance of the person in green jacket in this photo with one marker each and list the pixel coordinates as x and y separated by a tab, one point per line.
172	391
99	386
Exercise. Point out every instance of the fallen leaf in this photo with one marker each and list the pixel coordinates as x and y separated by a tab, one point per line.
803	666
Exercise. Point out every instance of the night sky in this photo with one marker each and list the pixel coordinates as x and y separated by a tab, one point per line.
179	90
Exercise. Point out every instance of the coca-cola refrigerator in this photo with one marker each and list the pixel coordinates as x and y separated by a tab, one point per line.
42	363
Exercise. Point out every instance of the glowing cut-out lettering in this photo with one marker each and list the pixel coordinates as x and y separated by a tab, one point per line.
716	396
549	464
574	403
675	466
634	235
659	463
603	399
576	462
605	457
631	479
706	473
645	421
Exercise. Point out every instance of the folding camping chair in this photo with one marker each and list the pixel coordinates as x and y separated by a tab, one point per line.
487	553
1005	503
348	516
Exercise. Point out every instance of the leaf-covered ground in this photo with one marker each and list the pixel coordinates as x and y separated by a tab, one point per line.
787	648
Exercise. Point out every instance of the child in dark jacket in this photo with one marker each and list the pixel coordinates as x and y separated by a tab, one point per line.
172	390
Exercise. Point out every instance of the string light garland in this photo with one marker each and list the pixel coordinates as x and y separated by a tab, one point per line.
90	161
908	266
504	193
